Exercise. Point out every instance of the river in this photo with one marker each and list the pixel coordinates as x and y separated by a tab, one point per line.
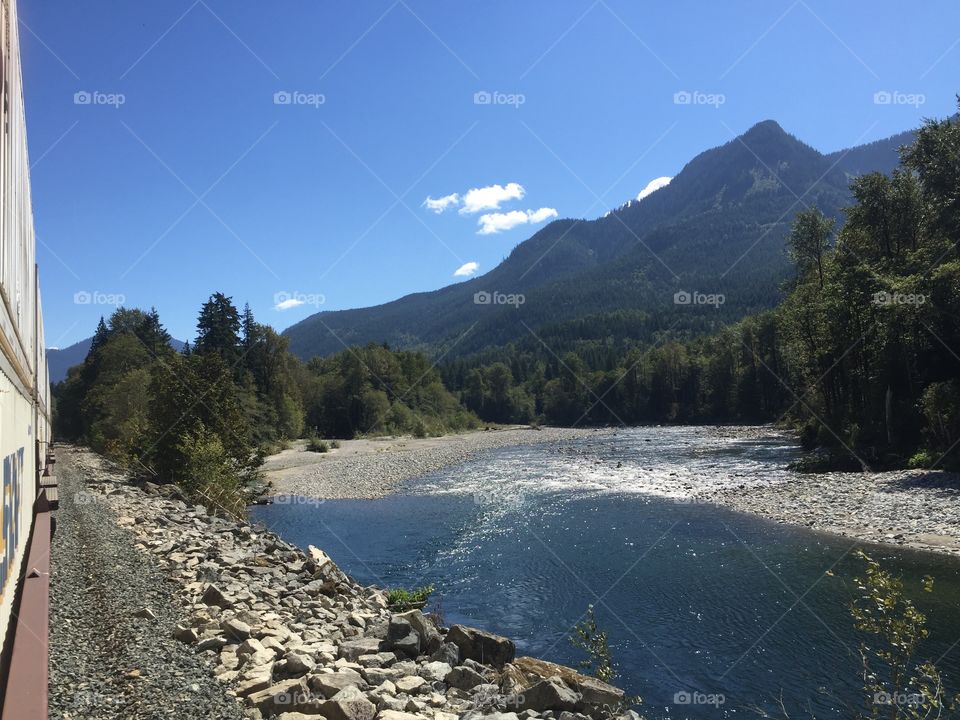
710	613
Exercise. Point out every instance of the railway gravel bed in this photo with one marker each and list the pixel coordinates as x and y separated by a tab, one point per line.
112	651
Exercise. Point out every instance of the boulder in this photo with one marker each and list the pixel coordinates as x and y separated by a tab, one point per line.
550	694
212	595
236	629
594	693
481	646
463	678
352	649
284	696
410	684
298	664
329	684
430	637
397	715
447	653
434	671
348	704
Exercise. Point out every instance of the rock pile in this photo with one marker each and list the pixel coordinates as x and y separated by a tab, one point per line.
293	637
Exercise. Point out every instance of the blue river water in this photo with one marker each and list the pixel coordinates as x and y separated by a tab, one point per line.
710	613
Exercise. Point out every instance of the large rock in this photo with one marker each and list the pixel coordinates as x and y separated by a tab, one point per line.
329	684
447	653
285	696
212	595
481	646
434	671
593	693
430	637
348	704
550	694
352	649
463	678
397	715
236	629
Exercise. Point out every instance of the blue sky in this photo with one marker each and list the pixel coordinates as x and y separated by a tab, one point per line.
282	153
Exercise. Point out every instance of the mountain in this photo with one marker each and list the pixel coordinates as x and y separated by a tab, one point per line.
717	229
60	360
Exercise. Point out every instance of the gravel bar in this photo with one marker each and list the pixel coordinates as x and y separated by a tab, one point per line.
373	467
106	659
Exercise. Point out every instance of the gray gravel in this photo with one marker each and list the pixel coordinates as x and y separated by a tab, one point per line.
105	661
372	468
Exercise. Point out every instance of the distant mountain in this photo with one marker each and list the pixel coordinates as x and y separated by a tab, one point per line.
60	360
717	228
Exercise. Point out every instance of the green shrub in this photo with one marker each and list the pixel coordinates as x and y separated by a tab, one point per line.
317	445
401	599
209	476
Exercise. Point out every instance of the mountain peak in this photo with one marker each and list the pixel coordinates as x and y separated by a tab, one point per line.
766	130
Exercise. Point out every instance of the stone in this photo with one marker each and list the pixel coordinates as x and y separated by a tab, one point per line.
284	696
434	671
352	649
447	653
185	634
397	715
481	646
329	684
550	694
252	685
298	664
463	678
594	693
146	613
214	596
211	643
348	704
408	645
236	629
430	637
410	684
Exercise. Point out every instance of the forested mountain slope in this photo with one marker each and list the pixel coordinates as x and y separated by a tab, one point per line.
717	228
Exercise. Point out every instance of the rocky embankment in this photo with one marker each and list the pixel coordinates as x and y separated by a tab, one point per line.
290	636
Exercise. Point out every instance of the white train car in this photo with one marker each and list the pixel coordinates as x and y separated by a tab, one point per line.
24	383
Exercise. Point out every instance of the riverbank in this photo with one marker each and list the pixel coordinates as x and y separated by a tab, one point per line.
184	614
371	468
910	508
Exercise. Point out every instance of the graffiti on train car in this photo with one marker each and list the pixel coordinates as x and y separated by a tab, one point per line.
10	519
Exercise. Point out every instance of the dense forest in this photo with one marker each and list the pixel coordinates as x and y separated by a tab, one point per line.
861	357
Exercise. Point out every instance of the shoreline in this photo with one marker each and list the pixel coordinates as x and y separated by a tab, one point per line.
371	468
915	509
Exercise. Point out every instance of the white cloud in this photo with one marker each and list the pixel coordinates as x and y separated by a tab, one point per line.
467	269
653	186
288	304
491	223
490	197
438	205
538	216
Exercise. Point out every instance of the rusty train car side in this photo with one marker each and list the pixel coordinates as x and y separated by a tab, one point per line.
25	427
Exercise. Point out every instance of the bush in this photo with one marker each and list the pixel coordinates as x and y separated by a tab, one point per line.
209	476
317	445
401	599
